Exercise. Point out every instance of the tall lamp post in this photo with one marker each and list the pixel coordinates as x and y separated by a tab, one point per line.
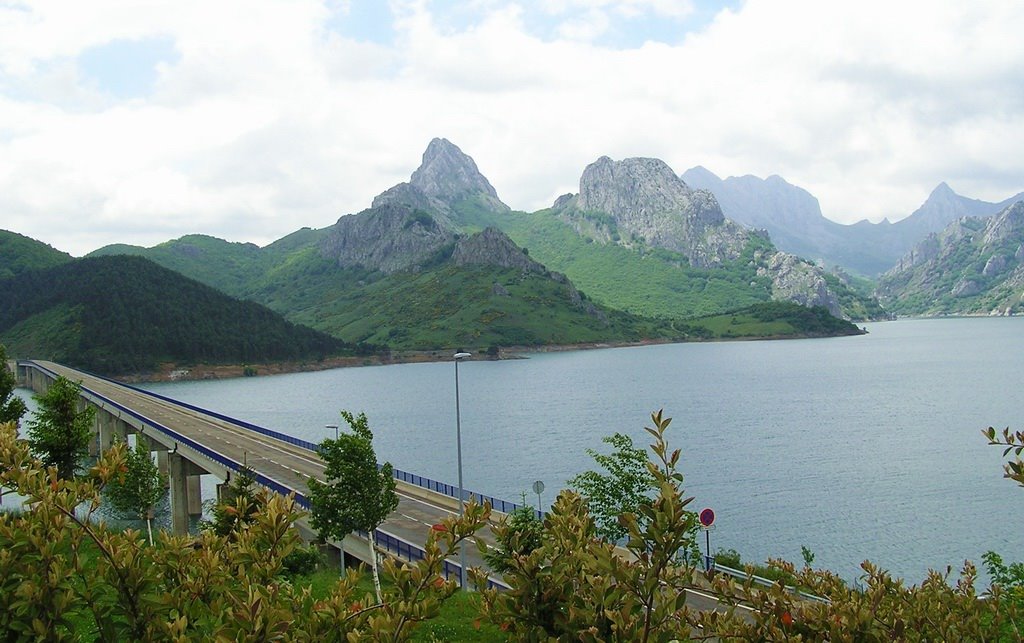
458	439
333	426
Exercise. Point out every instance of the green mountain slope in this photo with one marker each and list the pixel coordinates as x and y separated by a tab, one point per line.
124	314
648	281
228	267
974	266
19	254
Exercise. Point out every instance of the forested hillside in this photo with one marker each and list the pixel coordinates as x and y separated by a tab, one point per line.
120	314
19	254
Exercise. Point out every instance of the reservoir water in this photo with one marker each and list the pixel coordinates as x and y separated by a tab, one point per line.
858	448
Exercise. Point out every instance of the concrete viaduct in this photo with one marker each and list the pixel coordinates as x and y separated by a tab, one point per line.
190	442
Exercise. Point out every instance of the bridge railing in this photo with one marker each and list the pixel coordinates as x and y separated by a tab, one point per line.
401	548
766	582
233	465
443	488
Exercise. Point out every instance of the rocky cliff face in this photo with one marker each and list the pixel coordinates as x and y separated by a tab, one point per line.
798	281
646	202
449	175
387	238
491	247
410	223
974	266
793	218
642	201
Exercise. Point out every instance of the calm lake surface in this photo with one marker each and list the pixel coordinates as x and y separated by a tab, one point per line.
858	448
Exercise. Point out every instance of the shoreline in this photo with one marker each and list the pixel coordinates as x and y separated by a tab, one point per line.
170	372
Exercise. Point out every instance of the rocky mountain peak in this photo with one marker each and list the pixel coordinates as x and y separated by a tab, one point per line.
450	175
492	247
942	191
388	237
649	202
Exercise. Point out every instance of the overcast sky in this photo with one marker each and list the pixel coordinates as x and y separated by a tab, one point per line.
139	121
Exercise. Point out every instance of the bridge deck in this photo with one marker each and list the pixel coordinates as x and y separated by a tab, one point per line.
287	464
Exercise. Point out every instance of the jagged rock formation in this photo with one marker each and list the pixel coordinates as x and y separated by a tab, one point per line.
449	175
798	281
388	238
648	203
410	223
492	247
974	266
641	201
792	216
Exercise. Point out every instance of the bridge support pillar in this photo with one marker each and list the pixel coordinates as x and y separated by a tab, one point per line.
195	496
161	456
105	423
179	494
186	491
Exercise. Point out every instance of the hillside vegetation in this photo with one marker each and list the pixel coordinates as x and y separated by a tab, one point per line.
124	314
19	254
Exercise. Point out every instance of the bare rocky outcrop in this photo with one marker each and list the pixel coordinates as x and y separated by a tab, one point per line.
641	201
647	202
449	175
492	247
974	266
798	281
387	238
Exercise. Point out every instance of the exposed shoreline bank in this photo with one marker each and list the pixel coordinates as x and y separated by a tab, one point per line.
175	372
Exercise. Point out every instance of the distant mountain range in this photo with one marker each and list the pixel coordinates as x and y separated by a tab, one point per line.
973	266
793	219
678	257
439	262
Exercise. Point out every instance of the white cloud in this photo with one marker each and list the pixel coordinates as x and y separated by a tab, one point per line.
267	121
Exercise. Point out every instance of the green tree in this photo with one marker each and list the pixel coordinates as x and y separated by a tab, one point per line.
65	577
240	507
59	431
579	586
625	488
519	534
11	406
357	495
139	486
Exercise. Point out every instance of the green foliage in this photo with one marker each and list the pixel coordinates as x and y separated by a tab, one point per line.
647	281
63	576
1014	442
626	486
60	430
807	555
519	534
417	310
237	508
577	586
139	486
19	254
121	314
775	319
302	561
12	407
357	495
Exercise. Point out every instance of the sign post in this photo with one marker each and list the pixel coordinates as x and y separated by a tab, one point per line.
707	519
538	488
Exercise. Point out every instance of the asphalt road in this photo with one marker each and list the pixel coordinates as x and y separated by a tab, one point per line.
290	465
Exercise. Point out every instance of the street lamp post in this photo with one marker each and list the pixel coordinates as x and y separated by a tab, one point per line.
332	426
458	440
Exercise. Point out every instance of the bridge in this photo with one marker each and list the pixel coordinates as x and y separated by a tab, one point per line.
190	442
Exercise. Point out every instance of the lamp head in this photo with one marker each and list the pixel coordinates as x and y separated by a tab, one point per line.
461	356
